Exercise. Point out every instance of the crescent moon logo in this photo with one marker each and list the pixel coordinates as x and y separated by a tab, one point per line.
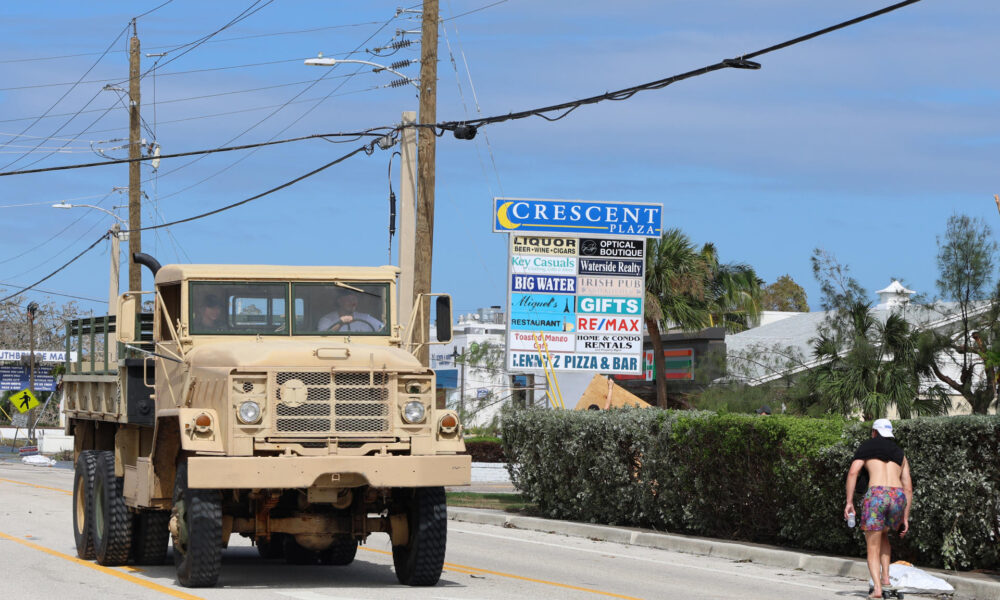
504	219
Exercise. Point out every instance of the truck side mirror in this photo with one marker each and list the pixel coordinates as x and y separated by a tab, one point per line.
125	321
442	311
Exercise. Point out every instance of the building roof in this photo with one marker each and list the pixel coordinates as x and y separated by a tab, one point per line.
785	347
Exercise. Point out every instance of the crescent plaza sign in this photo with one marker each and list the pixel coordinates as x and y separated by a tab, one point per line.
577	217
576	271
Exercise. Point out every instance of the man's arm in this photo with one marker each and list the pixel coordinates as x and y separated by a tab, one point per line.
852	481
908	492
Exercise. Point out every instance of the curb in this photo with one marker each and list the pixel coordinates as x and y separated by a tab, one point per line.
758	553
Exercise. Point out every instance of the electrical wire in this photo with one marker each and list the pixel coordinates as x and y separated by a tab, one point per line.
66	264
212	41
167	74
54	293
152	10
367	132
367	148
740	62
475	10
279	109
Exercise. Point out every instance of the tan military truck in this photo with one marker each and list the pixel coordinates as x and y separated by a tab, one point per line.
277	403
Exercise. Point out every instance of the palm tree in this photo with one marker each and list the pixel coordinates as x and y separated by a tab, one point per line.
734	292
870	366
675	292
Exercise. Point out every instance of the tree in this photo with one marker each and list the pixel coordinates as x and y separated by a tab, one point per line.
734	292
690	289
676	278
869	366
967	255
784	295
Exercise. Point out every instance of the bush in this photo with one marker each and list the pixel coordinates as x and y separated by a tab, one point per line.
770	479
485	450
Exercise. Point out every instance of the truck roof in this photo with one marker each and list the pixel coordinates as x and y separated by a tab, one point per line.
179	272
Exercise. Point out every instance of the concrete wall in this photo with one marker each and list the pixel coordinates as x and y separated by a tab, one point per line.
50	441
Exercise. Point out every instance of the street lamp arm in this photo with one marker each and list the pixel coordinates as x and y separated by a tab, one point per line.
330	62
104	210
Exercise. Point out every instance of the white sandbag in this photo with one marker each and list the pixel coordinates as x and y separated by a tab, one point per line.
907	578
38	460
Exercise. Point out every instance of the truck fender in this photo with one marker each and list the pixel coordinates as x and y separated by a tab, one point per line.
199	429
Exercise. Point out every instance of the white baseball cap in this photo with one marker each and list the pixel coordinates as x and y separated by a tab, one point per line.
883	427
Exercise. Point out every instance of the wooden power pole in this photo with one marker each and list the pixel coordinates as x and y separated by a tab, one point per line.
134	173
424	239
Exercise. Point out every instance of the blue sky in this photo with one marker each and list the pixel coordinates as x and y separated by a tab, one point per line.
862	142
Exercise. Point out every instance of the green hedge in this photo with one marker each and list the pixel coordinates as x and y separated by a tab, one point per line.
774	479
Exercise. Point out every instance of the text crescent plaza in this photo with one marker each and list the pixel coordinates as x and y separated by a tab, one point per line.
577	216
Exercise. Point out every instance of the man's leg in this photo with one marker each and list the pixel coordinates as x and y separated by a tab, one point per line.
873	541
885	554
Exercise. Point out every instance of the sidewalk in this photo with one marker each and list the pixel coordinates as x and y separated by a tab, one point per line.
970	585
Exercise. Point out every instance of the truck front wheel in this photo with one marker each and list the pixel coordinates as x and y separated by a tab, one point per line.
196	532
111	522
421	559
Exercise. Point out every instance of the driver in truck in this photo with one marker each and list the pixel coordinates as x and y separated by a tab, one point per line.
347	318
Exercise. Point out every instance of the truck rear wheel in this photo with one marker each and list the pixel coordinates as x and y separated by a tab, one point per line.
83	503
341	552
197	532
111	520
421	560
150	536
297	554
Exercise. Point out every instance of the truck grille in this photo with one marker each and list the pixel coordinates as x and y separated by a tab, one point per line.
335	403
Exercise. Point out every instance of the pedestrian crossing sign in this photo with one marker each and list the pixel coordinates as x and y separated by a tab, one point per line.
24	401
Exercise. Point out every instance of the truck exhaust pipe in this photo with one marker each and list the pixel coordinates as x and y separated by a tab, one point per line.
147	261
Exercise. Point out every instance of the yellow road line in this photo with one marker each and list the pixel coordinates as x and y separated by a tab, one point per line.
472	570
115	572
42	487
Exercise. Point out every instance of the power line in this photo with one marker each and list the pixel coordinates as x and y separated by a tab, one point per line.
167	74
367	132
367	148
61	98
213	41
467	128
54	293
68	263
475	10
152	10
279	109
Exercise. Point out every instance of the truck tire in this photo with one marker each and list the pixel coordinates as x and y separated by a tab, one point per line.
296	554
111	522
83	503
198	543
150	535
271	548
340	553
421	560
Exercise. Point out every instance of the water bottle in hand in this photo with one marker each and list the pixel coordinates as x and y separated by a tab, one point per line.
850	520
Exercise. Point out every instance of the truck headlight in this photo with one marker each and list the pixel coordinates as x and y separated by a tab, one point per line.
414	411
249	412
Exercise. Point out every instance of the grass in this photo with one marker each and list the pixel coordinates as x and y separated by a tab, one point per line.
506	502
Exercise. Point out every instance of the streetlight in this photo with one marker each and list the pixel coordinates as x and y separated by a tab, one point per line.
320	61
117	235
119	219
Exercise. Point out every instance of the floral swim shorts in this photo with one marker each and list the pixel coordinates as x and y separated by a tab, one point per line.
882	508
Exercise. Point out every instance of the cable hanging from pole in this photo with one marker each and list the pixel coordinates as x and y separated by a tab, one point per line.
466	130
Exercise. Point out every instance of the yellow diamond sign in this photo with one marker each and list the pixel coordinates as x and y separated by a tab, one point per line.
24	401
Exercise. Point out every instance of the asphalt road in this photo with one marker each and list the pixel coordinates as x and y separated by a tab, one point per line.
483	562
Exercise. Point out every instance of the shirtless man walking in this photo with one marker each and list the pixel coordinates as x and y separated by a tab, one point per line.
886	504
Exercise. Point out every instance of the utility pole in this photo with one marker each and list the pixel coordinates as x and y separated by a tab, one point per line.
134	174
424	239
32	309
407	212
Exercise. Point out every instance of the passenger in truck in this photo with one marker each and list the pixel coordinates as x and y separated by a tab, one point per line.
209	314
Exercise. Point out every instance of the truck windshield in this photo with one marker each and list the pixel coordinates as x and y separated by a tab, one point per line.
340	308
234	308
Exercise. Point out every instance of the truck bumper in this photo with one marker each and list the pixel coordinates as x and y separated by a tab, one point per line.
258	472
